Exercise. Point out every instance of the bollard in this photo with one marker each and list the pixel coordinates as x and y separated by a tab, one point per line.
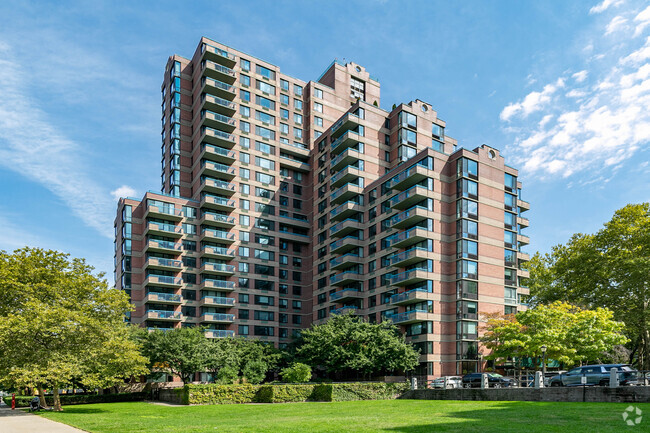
613	378
539	380
414	383
445	385
484	381
13	401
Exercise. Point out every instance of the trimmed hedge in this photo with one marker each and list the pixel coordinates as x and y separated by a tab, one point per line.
68	399
276	393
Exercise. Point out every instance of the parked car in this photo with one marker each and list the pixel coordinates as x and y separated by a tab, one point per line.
596	375
452	382
473	380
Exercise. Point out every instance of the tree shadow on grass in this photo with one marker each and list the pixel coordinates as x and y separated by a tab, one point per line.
82	410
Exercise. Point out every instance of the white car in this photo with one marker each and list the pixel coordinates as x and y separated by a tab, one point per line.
452	382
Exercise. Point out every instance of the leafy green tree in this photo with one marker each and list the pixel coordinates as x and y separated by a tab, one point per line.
230	359
296	373
180	351
609	269
348	343
569	333
61	323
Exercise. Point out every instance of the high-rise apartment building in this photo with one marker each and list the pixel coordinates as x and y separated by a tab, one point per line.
284	202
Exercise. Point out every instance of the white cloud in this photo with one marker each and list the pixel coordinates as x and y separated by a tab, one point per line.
32	147
598	122
123	191
617	23
604	5
643	20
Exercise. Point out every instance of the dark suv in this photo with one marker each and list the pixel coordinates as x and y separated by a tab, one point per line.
595	375
473	380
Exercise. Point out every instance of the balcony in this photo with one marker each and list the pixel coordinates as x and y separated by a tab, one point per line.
218	220
222	171
217	186
411	297
409	217
164	229
218	105
218	269
348	174
211	235
523	239
219	252
218	333
217	71
409	317
287	161
344	310
349	157
408	198
218	203
408	257
345	261
217	318
523	222
209	284
297	222
217	88
217	154
409	277
345	277
210	52
409	177
163	280
350	138
345	244
175	316
409	237
164	264
163	298
344	193
523	205
345	123
216	137
163	212
217	301
167	247
346	295
345	210
344	227
217	121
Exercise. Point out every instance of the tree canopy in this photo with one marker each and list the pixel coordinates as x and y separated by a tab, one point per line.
62	324
569	333
610	269
346	342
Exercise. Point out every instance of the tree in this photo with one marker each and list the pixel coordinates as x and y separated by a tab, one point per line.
346	342
180	351
609	269
570	334
296	373
230	359
61	323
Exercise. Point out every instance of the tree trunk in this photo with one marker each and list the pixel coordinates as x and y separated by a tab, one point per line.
57	400
41	394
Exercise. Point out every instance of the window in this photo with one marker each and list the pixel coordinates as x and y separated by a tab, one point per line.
318	121
467	168
245	204
264	300
264	331
244	252
263	192
244	157
245	142
297	103
467	269
296	319
284	114
245	111
264	254
318	93
265	72
408	120
264	132
244	189
245	80
264	163
297	189
243	267
408	137
318	107
265	147
438	131
284	128
244	126
297	133
466	209
245	65
244	314
297	118
510	201
296	305
264	178
467	249
405	153
243	329
284	99
245	95
244	220
284	85
265	117
297	90
264	102
265	87
263	315
467	188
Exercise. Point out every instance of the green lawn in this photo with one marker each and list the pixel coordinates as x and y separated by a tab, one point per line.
405	416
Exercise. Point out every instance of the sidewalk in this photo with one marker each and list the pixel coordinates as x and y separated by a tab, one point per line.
21	421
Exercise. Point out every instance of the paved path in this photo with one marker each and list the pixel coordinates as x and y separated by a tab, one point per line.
21	421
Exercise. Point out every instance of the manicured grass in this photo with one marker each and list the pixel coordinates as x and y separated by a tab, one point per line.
405	416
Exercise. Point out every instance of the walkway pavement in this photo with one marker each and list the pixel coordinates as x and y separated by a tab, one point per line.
21	421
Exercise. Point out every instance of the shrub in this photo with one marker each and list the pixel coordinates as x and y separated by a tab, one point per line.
227	375
255	371
296	373
68	399
220	394
367	391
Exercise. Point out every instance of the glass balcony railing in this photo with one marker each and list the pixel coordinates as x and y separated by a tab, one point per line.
343	137
164	227
343	310
219	250
164	262
343	276
218	183
344	171
343	207
169	245
343	189
405	316
336	227
211	148
163	314
400	297
412	191
219	200
219	284
343	155
220	68
404	175
402	236
403	276
400	257
218	300
343	241
218	317
402	216
167	210
343	293
219	267
219	218
217	51
217	133
218	333
218	101
218	167
166	297
343	259
218	234
218	84
342	120
164	279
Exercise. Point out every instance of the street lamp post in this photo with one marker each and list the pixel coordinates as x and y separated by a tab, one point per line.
543	361
480	362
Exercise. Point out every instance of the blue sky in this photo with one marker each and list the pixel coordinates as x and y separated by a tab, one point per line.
562	88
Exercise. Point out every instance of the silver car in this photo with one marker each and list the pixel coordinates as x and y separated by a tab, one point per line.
452	382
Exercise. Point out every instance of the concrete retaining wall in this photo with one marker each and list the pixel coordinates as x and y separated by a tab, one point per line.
626	394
